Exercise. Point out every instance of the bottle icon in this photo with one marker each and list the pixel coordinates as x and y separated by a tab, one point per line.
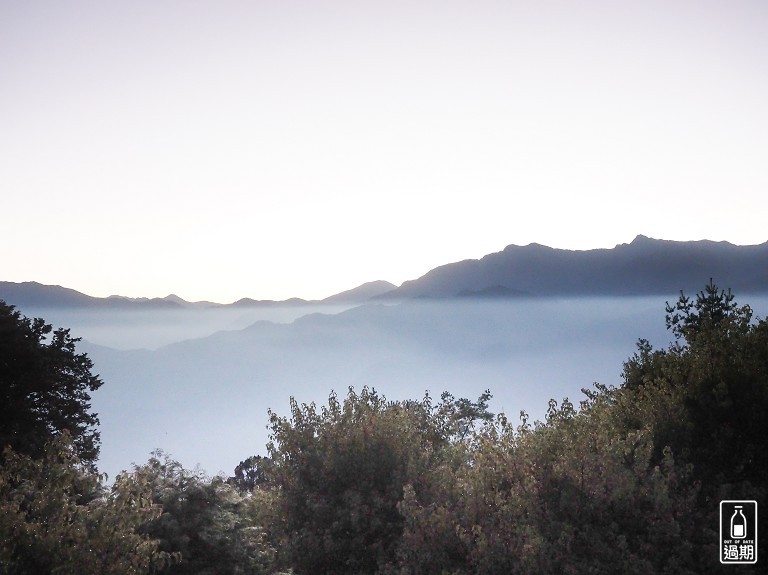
738	524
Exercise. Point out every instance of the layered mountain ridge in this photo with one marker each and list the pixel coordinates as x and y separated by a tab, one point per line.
646	266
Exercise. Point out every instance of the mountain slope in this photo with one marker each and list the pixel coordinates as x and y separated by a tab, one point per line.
34	294
644	267
37	295
362	292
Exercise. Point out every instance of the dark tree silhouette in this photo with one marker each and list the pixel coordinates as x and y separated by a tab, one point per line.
712	307
44	387
251	473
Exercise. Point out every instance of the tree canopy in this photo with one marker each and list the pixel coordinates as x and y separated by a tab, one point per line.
57	517
45	387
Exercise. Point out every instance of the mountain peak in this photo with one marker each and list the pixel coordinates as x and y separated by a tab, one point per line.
646	266
175	299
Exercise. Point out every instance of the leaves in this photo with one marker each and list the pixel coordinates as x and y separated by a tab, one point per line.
342	472
45	387
206	522
55	516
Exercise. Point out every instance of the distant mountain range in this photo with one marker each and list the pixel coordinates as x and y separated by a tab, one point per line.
645	266
36	295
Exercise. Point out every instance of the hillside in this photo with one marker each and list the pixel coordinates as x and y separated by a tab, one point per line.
37	295
645	266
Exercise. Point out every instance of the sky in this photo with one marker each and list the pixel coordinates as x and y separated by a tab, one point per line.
220	149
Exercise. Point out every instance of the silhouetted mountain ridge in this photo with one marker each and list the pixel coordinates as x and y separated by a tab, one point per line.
34	294
645	266
37	295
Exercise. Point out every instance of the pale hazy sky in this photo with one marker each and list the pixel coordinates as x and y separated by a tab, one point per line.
220	149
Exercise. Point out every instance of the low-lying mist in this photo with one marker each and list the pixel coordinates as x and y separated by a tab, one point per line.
205	400
127	329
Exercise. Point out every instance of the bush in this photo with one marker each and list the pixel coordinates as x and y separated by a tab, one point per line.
56	517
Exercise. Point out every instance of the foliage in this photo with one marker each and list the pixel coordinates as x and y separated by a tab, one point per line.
463	414
713	308
720	367
251	473
571	495
342	471
44	387
56	517
628	483
206	522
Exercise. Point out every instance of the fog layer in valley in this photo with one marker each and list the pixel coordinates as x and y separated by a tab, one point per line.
153	328
205	400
